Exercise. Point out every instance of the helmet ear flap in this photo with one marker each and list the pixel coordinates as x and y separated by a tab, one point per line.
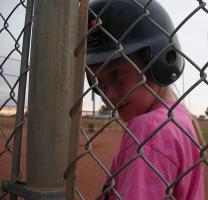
167	68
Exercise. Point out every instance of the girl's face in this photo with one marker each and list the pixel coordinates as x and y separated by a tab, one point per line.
116	80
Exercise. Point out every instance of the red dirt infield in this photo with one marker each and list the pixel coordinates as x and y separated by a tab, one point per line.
104	147
90	186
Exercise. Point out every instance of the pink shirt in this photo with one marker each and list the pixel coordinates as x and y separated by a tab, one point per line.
170	151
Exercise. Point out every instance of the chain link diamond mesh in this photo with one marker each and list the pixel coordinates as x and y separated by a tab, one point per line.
90	140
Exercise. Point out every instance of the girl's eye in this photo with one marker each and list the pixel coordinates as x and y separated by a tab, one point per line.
116	74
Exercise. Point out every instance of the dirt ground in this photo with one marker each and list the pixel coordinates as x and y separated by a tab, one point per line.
90	186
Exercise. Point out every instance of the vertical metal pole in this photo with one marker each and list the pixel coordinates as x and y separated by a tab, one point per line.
94	108
76	113
21	95
93	101
51	90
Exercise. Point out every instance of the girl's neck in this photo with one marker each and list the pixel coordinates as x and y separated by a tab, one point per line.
165	93
169	94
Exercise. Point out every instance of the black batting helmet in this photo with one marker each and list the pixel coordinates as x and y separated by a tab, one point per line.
116	18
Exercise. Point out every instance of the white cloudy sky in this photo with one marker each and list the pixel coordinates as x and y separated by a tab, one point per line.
193	36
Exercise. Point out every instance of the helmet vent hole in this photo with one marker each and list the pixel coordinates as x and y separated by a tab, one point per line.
171	56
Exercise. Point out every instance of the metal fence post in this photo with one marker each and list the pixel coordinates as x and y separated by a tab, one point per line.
76	109
50	96
21	96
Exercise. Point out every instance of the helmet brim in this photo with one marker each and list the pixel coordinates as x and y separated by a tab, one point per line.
101	57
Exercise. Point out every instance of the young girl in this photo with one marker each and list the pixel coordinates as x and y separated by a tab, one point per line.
159	156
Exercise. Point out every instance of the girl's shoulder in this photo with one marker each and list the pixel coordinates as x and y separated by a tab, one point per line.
161	116
159	126
163	134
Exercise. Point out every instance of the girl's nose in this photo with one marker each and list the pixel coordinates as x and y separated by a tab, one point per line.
111	93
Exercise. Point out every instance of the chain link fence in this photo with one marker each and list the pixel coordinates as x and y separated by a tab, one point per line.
13	91
90	141
14	56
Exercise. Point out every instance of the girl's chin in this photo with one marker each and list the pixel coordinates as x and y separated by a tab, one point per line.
125	116
123	113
